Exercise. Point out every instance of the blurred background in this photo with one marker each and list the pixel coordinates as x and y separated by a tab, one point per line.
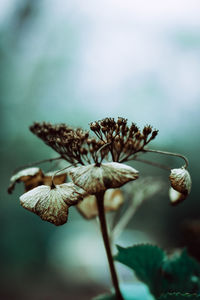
76	62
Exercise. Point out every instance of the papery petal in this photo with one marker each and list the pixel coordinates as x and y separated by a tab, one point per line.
94	179
58	178
113	199
175	196
51	204
88	207
180	180
29	176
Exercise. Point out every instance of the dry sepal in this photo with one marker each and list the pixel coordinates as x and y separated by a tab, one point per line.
33	177
113	199
94	179
52	204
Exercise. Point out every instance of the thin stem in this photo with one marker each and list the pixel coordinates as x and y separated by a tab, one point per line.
152	163
102	219
169	153
37	163
101	148
53	184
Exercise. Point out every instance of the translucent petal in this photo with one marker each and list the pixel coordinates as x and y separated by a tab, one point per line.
94	179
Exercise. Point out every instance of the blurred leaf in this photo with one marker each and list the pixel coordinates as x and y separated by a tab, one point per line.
178	296
146	261
181	274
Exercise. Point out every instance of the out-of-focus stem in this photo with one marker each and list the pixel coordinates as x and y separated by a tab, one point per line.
104	231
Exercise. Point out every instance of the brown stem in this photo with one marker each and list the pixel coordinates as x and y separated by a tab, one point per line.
102	219
169	153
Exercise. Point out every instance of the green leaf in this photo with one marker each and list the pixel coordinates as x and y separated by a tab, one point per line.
181	274
146	261
178	296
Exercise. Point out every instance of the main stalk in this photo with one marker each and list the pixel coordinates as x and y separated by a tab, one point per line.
104	231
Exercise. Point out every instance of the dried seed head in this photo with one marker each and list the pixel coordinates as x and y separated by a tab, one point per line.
113	199
175	196
94	179
52	204
180	180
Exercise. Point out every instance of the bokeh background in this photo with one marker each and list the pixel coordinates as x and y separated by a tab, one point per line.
76	62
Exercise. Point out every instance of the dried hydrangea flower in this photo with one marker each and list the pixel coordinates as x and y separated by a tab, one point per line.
175	196
113	199
33	177
180	180
52	204
94	179
26	175
77	146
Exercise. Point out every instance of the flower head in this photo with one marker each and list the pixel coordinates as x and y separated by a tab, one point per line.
77	146
94	179
52	204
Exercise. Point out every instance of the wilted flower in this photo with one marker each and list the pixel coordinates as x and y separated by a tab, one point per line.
33	177
180	180
113	199
52	204
94	179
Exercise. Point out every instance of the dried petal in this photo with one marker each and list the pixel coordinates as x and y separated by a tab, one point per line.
29	176
33	177
52	204
113	199
58	179
88	207
94	179
175	196
180	180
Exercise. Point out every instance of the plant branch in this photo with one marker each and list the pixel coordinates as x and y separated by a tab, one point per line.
169	153
102	219
153	163
37	163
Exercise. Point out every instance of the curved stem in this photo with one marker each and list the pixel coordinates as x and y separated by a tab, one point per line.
102	219
169	153
53	184
161	166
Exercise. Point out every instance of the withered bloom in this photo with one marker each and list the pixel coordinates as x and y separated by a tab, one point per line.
33	177
113	199
180	185
52	204
77	146
94	179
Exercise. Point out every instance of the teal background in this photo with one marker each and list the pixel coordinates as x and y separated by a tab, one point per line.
76	62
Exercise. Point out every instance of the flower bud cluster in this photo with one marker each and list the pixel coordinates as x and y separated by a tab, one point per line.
74	145
124	141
